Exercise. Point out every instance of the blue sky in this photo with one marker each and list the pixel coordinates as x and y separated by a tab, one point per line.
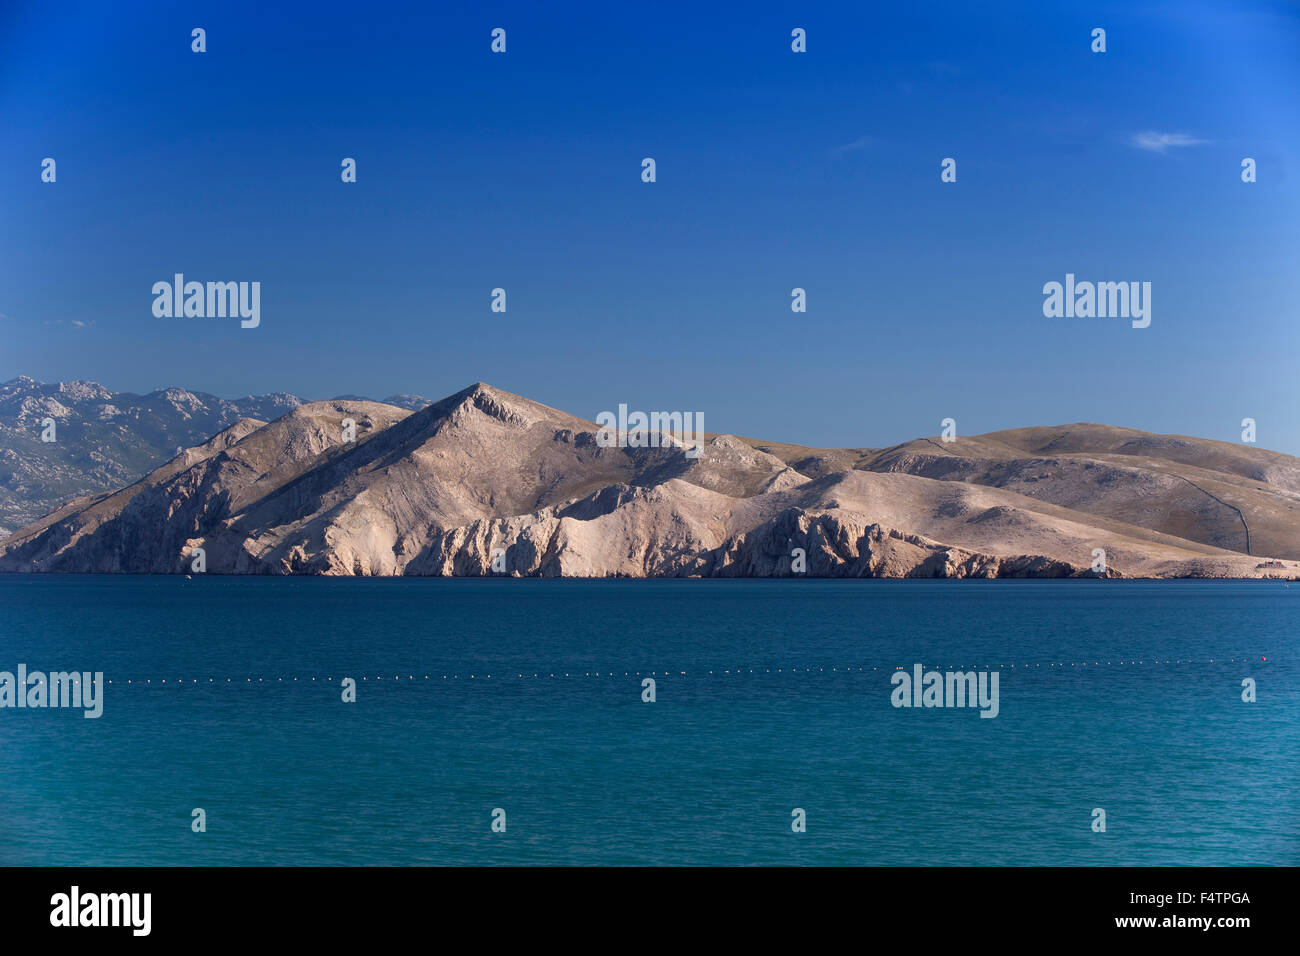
775	170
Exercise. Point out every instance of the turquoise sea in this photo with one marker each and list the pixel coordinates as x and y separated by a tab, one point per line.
770	696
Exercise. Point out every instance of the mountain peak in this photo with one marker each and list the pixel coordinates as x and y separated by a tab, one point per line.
507	407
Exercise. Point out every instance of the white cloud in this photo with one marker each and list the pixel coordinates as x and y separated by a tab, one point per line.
1159	142
862	142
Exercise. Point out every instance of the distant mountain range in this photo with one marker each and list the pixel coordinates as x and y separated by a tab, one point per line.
486	482
107	439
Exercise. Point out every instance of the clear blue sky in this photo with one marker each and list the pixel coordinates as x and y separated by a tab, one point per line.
775	170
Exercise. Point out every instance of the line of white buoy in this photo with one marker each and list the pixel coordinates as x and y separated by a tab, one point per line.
716	672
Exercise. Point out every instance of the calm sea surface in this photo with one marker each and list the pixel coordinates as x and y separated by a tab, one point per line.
784	703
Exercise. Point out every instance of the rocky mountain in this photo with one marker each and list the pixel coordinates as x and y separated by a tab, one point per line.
1234	497
106	439
486	482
